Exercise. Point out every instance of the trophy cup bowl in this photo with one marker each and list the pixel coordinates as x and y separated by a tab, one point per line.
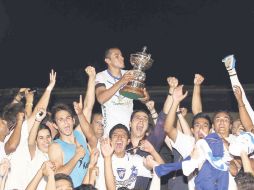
140	61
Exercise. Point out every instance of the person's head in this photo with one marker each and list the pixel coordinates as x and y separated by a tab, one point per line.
10	112
237	126
4	130
201	125
63	117
97	124
114	58
245	181
63	182
120	138
43	138
222	122
139	123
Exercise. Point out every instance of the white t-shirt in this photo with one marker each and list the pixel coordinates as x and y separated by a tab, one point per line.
118	108
100	180
127	169
33	167
19	162
2	151
184	144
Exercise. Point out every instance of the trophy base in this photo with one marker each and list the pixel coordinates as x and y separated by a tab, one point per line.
132	92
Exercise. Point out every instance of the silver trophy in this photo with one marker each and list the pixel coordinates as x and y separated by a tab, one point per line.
140	61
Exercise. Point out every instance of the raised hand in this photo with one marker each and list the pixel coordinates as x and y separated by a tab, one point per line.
150	105
90	71
237	93
146	96
198	79
78	106
106	148
52	80
48	168
94	157
173	83
20	117
178	94
40	115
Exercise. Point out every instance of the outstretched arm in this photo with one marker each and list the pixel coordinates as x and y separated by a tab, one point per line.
244	115
44	100
169	128
90	93
85	126
196	96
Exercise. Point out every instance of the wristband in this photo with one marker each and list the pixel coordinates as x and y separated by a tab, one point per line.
169	94
29	104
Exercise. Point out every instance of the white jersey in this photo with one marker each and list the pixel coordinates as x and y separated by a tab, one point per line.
19	161
34	166
118	108
127	169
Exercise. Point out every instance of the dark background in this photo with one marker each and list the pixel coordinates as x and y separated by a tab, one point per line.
184	37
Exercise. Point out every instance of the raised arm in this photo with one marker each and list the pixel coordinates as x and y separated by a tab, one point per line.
172	82
29	95
85	126
196	96
14	140
103	94
169	128
244	115
44	100
90	93
152	110
107	152
41	113
182	121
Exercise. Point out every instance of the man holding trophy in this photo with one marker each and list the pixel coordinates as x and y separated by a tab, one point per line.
116	88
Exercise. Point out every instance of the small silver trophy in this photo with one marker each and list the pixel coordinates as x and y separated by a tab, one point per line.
140	61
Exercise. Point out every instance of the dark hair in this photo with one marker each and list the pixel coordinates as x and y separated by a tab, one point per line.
85	187
244	181
201	115
108	52
94	114
58	107
62	176
150	119
10	111
222	111
42	126
119	126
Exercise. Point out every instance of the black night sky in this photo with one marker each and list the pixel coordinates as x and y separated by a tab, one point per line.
184	37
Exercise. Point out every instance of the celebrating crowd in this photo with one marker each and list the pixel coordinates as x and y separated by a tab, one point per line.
70	147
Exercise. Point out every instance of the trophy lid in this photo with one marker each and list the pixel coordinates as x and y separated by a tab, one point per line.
141	59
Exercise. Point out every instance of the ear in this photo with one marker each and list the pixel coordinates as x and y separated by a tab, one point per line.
192	130
128	142
107	60
73	119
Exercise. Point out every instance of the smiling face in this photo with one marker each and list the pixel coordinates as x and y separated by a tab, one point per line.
139	124
43	140
222	124
64	122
